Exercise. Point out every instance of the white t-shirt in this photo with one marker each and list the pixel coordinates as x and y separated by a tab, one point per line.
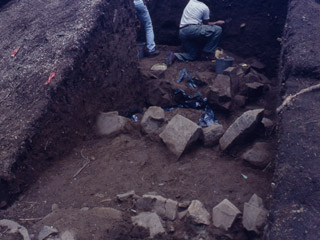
194	13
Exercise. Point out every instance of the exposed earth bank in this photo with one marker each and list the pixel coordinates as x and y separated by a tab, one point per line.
79	173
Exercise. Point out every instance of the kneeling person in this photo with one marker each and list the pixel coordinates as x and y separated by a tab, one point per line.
199	37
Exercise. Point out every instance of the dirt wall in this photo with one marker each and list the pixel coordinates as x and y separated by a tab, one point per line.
82	42
259	38
295	211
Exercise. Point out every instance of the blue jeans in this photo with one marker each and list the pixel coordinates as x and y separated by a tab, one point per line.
197	39
144	17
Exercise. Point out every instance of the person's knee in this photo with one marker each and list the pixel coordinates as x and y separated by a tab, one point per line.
218	30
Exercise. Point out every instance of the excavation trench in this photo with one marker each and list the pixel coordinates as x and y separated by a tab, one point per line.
103	74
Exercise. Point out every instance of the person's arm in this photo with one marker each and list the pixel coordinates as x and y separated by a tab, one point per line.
220	22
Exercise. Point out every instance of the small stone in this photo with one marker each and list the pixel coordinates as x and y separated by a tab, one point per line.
224	214
259	155
212	134
254	214
124	196
170	227
171	209
267	123
182	214
159	67
184	204
54	207
150	221
111	123
198	213
46	231
84	209
153	120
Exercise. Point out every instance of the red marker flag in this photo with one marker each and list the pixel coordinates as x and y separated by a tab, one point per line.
14	53
52	75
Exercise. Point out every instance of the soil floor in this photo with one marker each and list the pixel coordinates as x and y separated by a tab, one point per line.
133	161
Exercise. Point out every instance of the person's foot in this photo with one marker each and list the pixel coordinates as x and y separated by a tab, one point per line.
170	58
152	54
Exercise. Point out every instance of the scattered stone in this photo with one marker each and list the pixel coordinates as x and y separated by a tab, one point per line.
171	209
179	134
198	213
244	125
124	196
166	208
46	231
224	214
243	25
259	155
153	120
67	235
84	209
184	204
110	123
240	101
149	221
254	214
54	207
219	94
159	67
170	227
15	228
267	123
212	134
182	214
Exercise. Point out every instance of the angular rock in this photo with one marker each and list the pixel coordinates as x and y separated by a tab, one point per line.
239	101
150	221
212	134
244	125
267	123
166	208
198	213
125	196
110	123
46	231
259	155
152	120
179	134
254	214
15	228
219	94
171	209
224	214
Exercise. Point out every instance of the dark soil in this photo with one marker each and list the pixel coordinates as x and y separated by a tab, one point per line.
133	161
55	135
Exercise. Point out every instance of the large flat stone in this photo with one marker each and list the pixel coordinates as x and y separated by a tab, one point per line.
244	125
179	134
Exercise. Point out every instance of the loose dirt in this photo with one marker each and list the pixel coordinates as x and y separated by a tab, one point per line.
133	161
